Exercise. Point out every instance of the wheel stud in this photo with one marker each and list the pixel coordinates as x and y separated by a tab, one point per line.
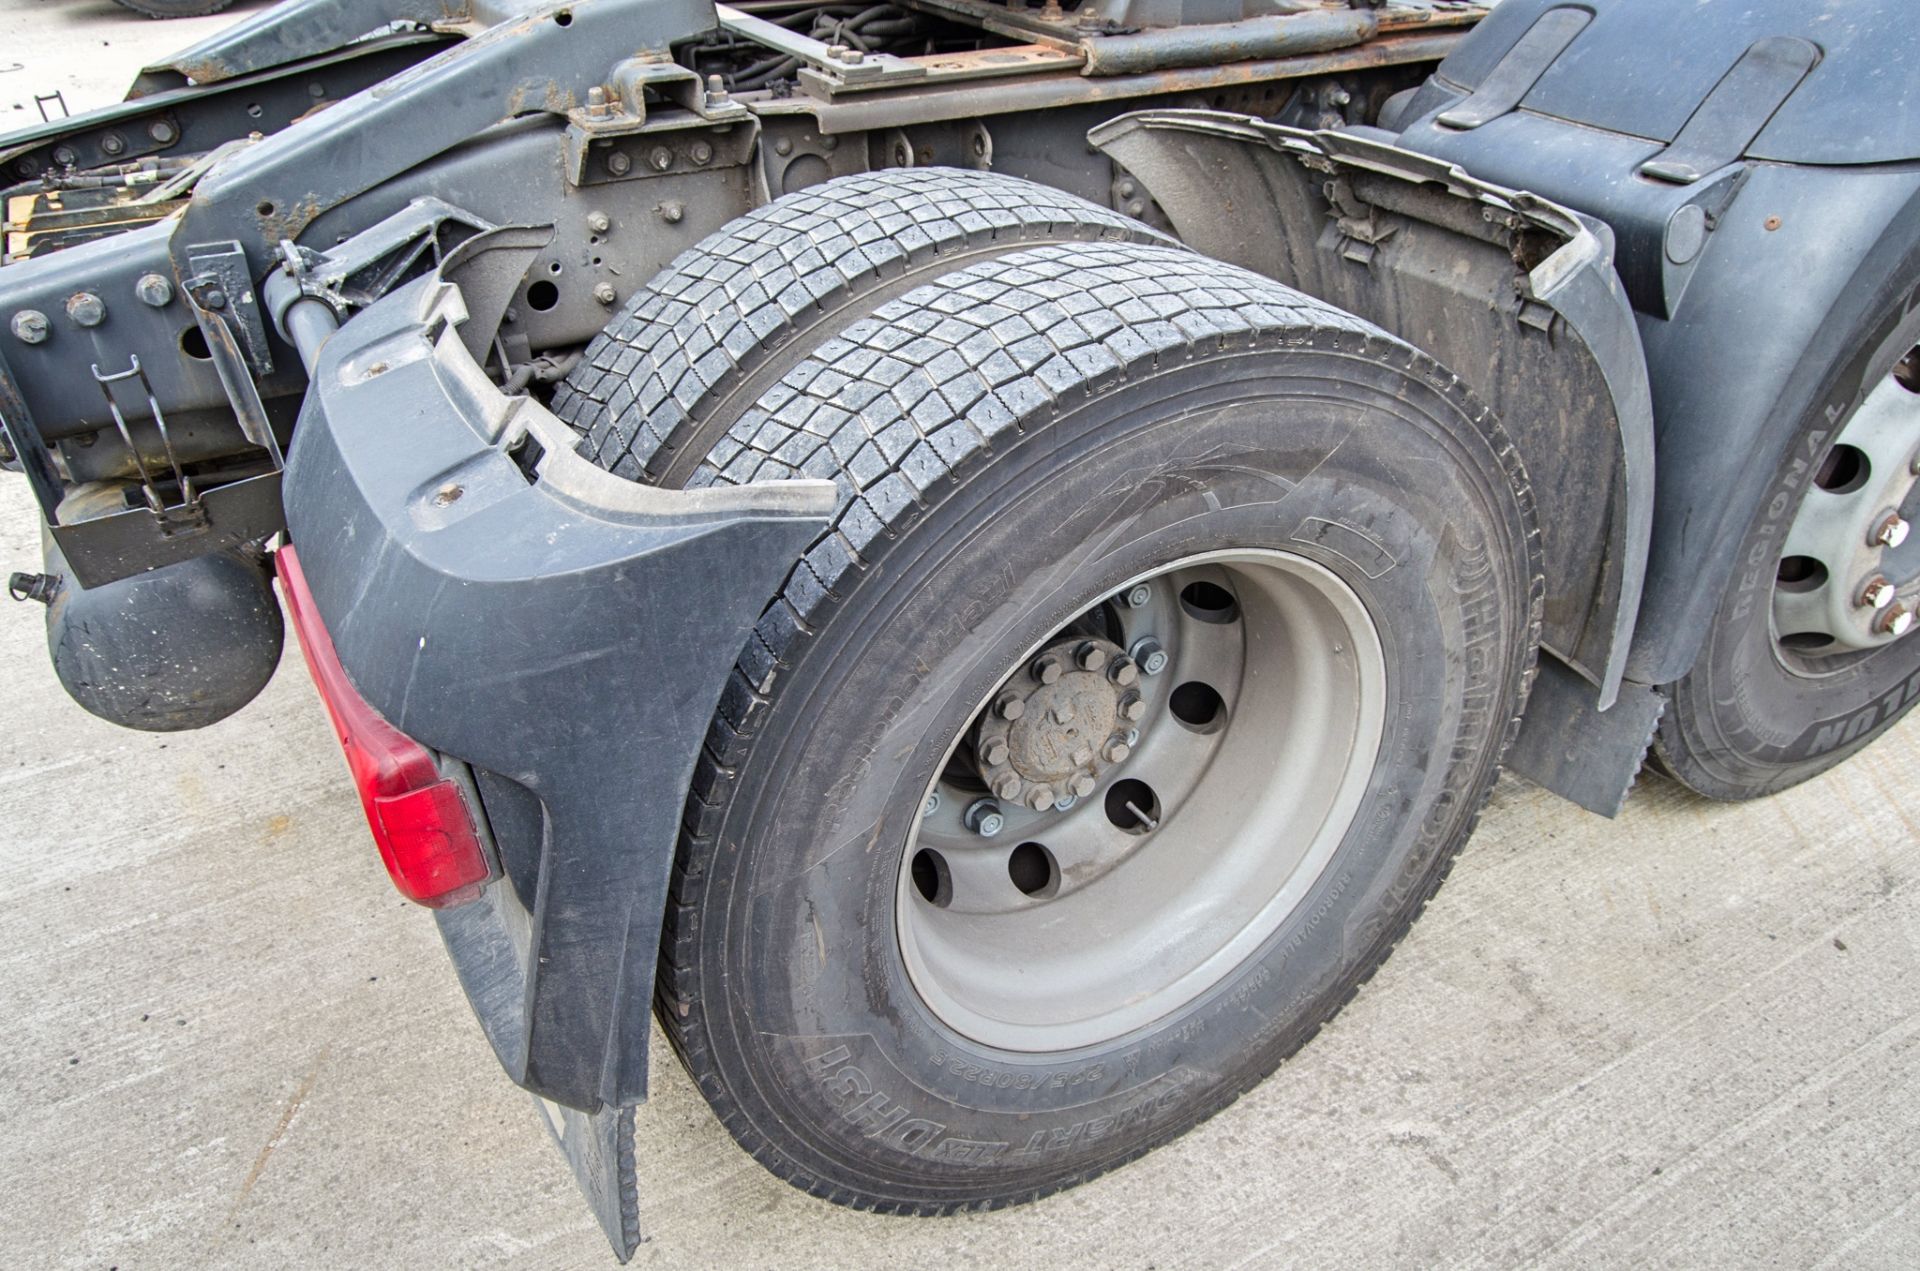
1046	668
1083	785
1040	798
1090	656
1896	621
1877	594
1891	531
996	753
1132	709
983	817
1116	750
1124	672
1150	655
1008	786
1010	708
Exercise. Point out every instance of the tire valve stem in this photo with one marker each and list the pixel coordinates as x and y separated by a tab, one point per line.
1142	817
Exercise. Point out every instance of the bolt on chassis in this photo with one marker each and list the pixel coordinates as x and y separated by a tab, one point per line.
979	559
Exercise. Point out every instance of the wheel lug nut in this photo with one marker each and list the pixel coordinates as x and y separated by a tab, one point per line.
1046	668
995	753
1891	531
1137	595
1132	708
1010	708
1083	786
1877	594
1008	786
1090	656
1040	798
1116	750
1149	653
932	803
1124	672
984	818
1896	621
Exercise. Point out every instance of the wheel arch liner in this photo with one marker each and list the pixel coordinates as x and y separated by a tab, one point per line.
503	601
1516	295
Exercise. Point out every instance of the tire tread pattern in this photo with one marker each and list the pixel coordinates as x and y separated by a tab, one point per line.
693	336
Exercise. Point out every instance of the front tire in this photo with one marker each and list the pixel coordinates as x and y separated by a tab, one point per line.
1016	444
1813	652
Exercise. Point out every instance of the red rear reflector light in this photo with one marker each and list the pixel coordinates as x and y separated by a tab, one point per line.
419	819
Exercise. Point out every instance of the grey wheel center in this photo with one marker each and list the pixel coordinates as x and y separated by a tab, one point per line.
1137	810
1059	723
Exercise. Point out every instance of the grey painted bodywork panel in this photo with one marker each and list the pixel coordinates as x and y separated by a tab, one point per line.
1736	338
1641	67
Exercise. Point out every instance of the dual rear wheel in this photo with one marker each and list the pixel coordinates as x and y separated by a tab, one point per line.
1154	668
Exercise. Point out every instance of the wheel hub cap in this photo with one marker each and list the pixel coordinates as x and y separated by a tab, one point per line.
1059	723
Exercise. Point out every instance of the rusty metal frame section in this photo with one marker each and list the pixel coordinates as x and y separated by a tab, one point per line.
537	56
1043	86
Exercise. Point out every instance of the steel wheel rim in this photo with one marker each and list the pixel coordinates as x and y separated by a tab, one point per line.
1128	924
1848	580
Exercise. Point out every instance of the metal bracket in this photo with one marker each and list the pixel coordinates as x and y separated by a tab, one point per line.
185	516
377	260
673	142
207	294
22	436
228	292
827	66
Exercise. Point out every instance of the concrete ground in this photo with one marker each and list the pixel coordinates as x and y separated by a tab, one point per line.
1687	1038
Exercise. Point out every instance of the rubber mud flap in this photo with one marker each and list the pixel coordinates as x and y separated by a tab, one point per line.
599	1150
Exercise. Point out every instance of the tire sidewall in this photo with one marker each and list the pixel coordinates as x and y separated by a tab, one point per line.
805	997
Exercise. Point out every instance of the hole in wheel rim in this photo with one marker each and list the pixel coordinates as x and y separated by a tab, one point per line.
1907	372
1800	573
1844	470
931	878
1033	870
1197	705
1209	602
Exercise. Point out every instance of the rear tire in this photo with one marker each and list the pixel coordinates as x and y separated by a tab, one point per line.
1014	442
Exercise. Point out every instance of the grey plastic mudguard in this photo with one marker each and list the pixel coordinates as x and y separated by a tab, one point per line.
563	631
1816	206
1514	294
